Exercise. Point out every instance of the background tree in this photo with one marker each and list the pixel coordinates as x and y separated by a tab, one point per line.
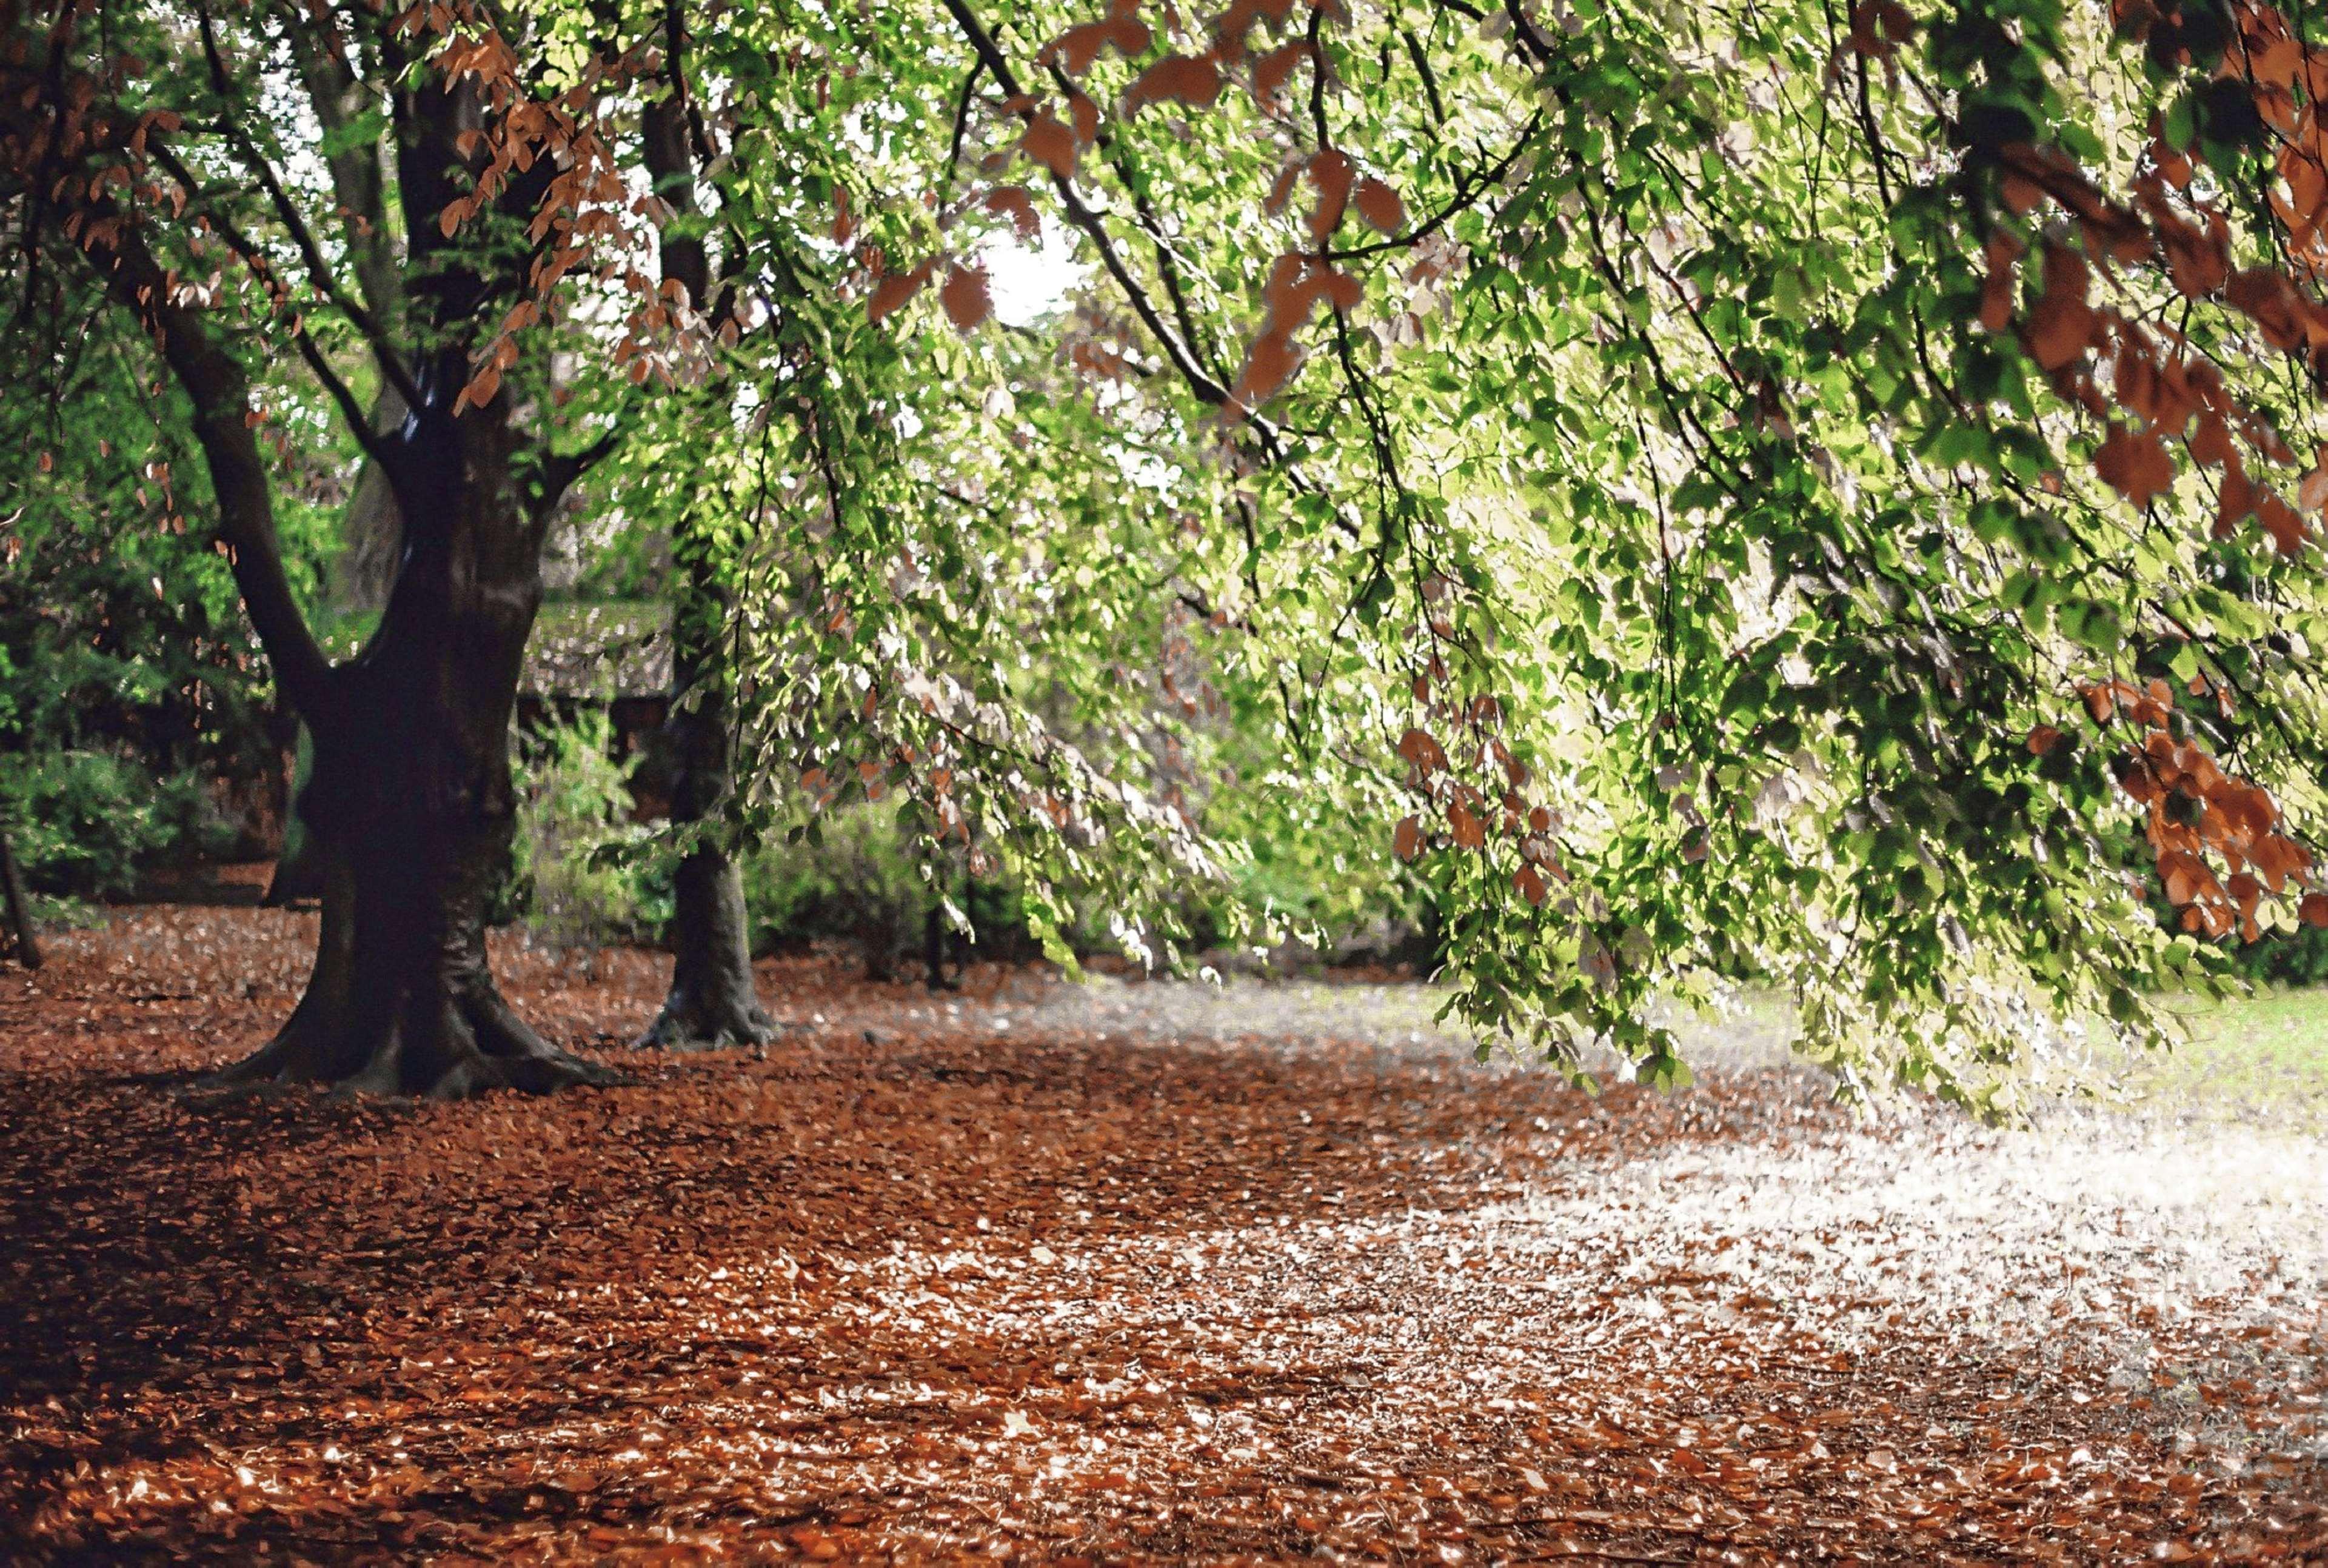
158	176
23	944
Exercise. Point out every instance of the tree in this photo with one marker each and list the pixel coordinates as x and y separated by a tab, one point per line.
1670	480
1745	572
712	1000
159	179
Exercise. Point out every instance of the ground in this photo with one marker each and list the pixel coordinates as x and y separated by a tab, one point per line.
1135	1273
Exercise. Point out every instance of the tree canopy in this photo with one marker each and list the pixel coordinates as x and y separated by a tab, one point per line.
1821	491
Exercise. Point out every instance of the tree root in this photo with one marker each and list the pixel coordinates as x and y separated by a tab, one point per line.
445	1048
708	1019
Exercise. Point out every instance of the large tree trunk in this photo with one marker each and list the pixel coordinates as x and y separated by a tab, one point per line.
410	807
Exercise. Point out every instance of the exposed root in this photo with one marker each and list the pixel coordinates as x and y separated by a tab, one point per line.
437	1049
708	1019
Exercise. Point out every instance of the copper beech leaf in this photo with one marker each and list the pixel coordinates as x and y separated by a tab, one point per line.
966	296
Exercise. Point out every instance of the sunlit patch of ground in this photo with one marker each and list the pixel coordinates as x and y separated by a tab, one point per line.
1134	1272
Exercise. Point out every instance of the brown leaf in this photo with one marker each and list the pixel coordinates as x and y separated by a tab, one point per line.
1269	363
2282	521
2061	324
1051	144
968	300
1330	173
1380	206
2134	465
1014	201
1273	71
1422	749
895	290
2311	493
1075	50
1191	80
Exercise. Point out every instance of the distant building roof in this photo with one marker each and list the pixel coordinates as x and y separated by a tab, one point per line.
599	651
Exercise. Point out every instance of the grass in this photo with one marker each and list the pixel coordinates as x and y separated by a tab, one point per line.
2262	1058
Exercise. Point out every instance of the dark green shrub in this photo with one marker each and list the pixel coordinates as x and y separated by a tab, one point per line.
84	823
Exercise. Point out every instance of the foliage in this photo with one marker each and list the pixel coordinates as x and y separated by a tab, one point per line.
126	668
582	873
84	823
1713	489
1748	574
855	877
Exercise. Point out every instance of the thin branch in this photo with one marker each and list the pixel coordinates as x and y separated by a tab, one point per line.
1200	382
1468	191
358	421
561	472
319	271
960	127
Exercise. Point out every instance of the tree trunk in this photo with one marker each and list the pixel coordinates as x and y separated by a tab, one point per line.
712	1004
411	808
401	1000
19	908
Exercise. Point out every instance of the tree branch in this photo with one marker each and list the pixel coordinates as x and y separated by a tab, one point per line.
1468	191
358	421
1199	382
319	271
221	393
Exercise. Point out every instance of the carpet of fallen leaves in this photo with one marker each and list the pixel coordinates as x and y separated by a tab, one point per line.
1131	1272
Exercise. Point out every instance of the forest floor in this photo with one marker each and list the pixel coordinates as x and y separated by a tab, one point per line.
1125	1272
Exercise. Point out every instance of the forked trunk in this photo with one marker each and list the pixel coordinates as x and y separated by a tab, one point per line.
410	806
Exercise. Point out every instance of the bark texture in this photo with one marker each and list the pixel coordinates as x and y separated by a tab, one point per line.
19	910
409	809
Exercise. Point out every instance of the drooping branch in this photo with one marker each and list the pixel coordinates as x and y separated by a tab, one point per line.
1200	382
